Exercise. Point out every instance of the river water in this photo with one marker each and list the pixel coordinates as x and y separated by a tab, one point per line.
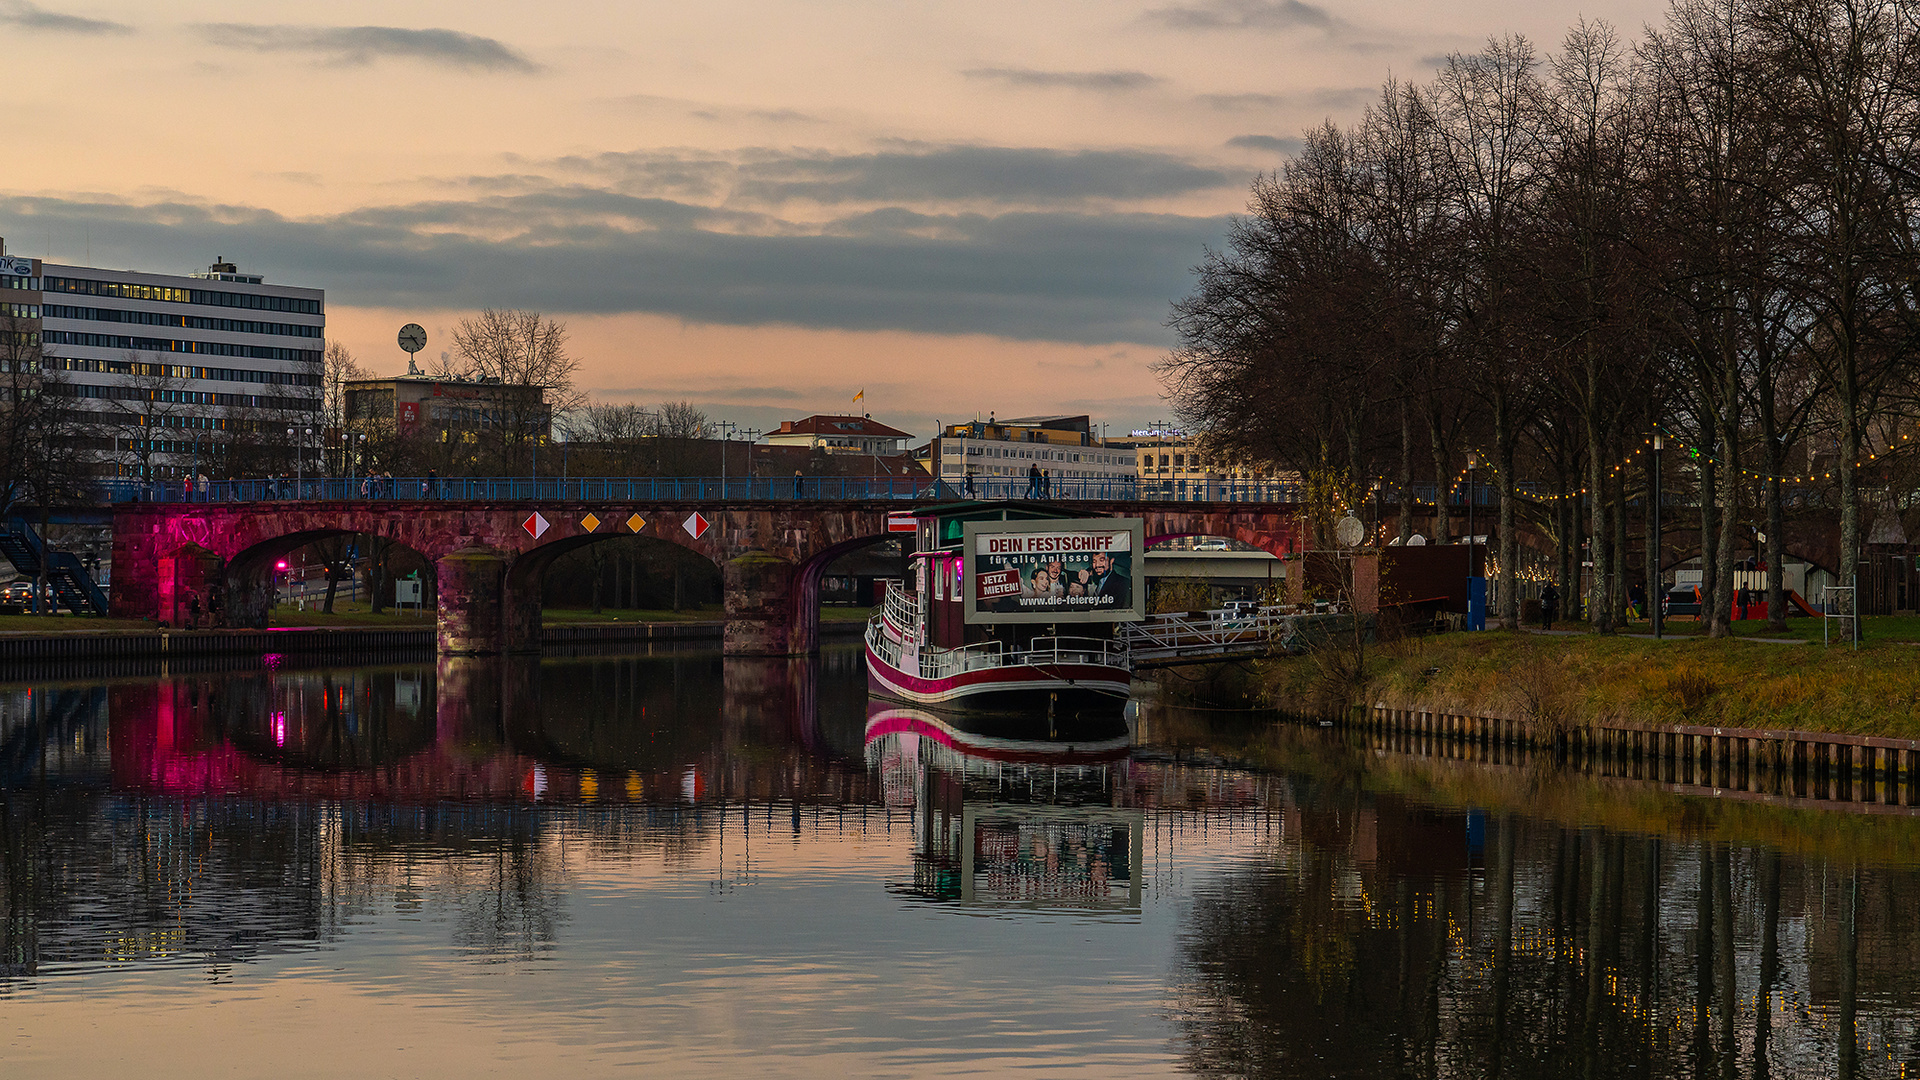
687	866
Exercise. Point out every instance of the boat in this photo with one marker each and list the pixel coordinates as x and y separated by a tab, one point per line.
980	631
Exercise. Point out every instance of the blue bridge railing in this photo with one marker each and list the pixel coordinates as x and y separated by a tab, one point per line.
687	489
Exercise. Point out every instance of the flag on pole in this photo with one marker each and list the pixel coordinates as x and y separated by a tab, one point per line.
857	397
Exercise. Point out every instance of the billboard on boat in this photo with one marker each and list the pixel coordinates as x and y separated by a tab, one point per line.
1059	571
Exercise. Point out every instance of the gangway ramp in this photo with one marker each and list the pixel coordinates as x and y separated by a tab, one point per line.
1194	636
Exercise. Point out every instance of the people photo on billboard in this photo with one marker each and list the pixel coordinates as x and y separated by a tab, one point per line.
1052	571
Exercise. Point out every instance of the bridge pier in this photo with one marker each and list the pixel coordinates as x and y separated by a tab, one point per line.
249	595
469	616
765	615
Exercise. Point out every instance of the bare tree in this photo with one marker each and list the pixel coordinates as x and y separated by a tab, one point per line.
153	415
523	376
338	368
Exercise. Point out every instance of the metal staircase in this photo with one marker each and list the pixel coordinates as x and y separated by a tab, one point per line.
67	577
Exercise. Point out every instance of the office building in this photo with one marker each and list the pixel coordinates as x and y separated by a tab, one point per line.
1002	452
174	375
1178	466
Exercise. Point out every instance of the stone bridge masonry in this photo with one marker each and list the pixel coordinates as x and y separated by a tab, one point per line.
490	557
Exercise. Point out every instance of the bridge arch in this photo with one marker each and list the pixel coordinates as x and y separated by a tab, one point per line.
522	584
249	585
805	631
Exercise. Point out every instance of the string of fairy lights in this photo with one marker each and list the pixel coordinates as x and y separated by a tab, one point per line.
1693	452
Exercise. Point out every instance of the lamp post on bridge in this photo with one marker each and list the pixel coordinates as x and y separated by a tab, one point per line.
725	428
300	460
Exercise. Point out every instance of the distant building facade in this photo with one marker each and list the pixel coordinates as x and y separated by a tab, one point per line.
840	435
1005	450
1174	465
168	374
445	409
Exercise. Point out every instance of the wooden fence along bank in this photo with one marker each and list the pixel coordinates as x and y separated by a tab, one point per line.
1858	772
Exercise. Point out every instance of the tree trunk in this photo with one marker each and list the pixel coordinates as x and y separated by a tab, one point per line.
377	552
1656	592
1509	580
1568	515
599	572
1618	547
43	597
1849	497
1442	486
1599	603
1406	473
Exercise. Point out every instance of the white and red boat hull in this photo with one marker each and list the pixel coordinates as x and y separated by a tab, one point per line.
1013	686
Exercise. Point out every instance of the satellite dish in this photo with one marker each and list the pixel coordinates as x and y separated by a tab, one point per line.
1416	540
1349	531
413	337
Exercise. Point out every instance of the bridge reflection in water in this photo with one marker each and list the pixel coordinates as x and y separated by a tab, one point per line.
1324	908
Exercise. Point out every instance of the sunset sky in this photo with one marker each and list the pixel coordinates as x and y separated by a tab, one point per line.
760	207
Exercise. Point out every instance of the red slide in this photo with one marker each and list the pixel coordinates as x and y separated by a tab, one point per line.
1795	599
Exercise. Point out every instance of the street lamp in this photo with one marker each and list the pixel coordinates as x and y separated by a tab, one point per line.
725	427
1656	588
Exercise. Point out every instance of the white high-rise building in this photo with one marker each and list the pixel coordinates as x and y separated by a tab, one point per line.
170	375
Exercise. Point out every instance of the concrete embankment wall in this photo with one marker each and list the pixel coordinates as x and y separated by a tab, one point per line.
346	643
1865	772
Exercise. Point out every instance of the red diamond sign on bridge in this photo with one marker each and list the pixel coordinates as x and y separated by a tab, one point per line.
535	525
696	525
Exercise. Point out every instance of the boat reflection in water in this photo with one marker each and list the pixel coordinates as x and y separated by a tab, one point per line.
1011	812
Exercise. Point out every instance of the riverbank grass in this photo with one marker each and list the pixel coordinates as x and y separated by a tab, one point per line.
1575	679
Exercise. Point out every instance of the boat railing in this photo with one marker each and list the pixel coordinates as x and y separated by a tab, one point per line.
975	657
902	609
884	645
1076	650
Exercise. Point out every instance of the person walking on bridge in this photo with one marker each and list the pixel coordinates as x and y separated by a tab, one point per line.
1033	481
799	482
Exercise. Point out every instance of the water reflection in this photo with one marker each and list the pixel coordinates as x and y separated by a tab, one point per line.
1011	813
1245	898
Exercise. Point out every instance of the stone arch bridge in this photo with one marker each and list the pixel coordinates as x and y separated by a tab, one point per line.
490	556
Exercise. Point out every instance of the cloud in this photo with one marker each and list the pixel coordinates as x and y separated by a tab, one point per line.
1247	15
1323	98
359	45
909	173
783	116
1104	81
22	14
1042	275
1274	143
1233	102
1014	175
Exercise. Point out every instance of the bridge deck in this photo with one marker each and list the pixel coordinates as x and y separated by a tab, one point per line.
681	489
